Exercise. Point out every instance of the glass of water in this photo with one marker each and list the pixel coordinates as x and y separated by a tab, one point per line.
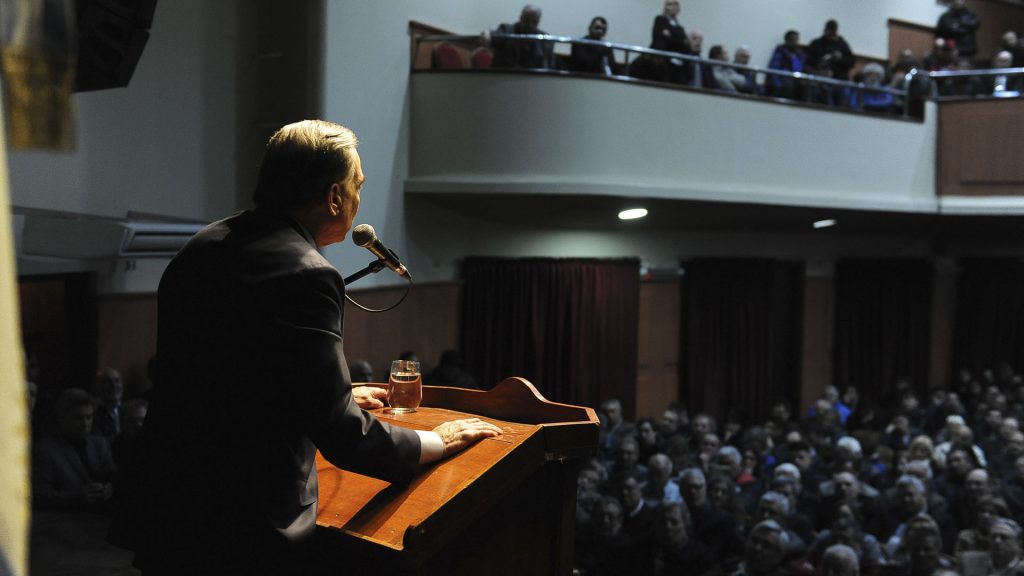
405	386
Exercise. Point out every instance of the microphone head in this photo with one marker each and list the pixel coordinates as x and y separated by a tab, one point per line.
363	235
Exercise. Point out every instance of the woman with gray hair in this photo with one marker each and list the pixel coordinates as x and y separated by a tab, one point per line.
867	95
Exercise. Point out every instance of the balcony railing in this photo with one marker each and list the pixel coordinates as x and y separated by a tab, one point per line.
904	99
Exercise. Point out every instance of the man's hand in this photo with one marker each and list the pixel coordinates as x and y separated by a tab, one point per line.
369	397
97	492
460	434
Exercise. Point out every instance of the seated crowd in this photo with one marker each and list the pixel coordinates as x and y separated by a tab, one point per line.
851	488
828	56
79	447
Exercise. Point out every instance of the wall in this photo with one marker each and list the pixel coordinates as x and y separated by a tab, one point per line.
366	81
164	144
584	136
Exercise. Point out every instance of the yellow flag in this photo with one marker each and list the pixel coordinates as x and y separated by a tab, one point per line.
14	426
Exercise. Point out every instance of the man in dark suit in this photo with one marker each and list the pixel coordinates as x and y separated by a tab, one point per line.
73	469
108	388
253	378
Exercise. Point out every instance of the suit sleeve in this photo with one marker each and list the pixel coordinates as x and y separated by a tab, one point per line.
47	490
309	329
665	37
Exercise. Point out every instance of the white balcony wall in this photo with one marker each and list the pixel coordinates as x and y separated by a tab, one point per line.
498	133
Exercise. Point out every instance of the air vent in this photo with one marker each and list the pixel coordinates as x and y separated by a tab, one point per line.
87	238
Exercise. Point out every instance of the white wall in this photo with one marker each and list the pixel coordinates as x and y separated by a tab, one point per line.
164	144
489	133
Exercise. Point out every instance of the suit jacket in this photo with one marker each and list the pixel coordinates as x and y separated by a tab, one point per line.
61	471
252	380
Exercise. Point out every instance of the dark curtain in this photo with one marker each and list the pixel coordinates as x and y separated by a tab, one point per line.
882	326
741	335
989	314
569	326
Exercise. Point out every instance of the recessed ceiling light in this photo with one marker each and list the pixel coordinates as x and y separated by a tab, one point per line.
632	213
827	223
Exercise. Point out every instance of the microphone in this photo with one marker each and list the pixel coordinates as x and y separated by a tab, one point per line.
365	236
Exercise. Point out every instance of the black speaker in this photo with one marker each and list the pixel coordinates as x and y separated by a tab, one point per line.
111	37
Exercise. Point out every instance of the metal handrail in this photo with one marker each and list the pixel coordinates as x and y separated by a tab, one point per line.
953	74
902	96
660	53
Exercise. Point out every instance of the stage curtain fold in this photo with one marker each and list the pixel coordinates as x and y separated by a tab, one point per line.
989	314
882	326
741	336
569	326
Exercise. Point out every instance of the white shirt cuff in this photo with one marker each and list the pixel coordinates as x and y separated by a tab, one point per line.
431	446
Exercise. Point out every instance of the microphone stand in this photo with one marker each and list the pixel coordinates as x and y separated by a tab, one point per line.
373	268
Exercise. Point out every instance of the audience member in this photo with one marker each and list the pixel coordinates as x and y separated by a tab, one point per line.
703	424
1003	85
697	73
790	57
922	553
672	547
509	53
591	58
676	444
962	85
669	35
959	25
775	506
1006	548
133	416
108	389
450	371
872	100
627	459
943	56
638	516
360	371
839	560
659	487
726	77
765	551
742	57
830	51
650	440
724	495
960	435
976	537
73	469
613	428
604	548
1010	42
712	526
846	531
905	62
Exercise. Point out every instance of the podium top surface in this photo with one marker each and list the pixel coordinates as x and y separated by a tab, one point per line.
450	491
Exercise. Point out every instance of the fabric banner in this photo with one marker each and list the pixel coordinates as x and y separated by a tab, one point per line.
37	57
14	425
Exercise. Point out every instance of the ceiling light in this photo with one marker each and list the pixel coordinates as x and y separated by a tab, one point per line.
827	223
632	213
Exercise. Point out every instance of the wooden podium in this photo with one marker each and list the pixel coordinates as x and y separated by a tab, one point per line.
505	505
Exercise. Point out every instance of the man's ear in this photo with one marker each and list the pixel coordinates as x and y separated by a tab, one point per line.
334	199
